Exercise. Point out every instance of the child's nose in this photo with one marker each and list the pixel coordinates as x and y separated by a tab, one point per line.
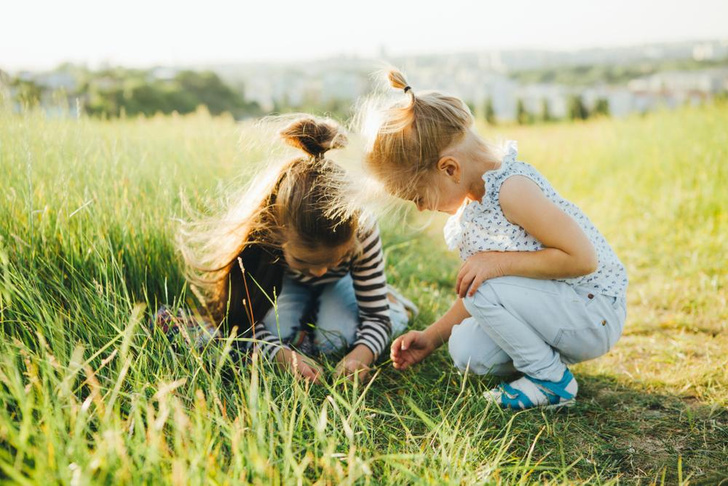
318	272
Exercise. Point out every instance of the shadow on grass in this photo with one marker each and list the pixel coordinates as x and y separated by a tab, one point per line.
620	431
643	435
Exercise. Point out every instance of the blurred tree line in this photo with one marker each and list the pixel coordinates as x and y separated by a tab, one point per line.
576	110
115	92
338	108
586	75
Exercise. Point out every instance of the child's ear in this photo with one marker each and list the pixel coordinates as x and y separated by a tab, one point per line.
450	166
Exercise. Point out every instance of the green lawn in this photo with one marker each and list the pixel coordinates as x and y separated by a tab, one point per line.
88	395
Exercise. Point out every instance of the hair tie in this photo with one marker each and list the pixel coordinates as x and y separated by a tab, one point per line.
407	88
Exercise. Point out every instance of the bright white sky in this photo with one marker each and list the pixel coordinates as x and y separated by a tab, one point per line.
42	34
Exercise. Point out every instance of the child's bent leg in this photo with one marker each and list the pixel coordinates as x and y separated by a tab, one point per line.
338	316
471	348
284	319
517	321
536	321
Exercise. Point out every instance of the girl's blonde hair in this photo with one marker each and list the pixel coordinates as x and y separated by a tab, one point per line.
231	260
406	138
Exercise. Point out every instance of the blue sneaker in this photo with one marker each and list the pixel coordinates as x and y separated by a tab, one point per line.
528	392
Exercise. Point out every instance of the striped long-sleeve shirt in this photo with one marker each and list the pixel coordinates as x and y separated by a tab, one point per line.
370	287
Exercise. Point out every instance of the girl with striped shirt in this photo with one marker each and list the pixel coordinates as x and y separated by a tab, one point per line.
294	270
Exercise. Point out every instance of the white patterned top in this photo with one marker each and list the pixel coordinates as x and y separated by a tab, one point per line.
482	226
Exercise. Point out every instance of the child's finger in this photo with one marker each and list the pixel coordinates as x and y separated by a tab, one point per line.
477	282
397	358
397	343
311	374
407	362
465	284
395	348
463	271
398	362
407	340
399	365
462	276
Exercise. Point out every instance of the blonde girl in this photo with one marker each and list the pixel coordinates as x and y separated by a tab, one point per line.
291	269
539	288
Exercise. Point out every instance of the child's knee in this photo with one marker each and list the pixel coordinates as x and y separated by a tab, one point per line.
458	348
332	341
463	345
335	328
471	349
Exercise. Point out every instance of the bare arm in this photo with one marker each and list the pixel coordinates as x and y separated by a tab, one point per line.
567	253
439	331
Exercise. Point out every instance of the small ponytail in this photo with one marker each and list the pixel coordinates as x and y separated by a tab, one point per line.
314	136
398	81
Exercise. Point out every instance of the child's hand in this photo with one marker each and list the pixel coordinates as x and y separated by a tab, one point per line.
411	348
356	364
477	269
299	365
352	369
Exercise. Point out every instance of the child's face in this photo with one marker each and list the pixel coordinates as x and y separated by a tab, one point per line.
315	261
439	192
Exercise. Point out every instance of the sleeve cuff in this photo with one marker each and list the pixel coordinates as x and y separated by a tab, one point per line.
371	346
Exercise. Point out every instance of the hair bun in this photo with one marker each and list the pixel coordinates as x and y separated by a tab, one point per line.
314	136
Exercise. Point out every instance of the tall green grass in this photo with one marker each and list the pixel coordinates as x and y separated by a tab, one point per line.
87	218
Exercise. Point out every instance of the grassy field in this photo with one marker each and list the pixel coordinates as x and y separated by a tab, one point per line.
88	211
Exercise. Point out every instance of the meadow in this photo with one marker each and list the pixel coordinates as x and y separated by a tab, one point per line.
88	395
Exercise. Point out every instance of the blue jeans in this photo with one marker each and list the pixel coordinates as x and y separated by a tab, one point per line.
337	314
534	326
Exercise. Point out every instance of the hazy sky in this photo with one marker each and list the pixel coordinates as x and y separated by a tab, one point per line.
41	34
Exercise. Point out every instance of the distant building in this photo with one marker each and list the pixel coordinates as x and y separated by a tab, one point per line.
162	74
342	86
56	80
675	88
555	96
709	82
482	77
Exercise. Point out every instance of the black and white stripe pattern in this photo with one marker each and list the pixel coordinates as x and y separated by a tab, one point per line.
370	288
